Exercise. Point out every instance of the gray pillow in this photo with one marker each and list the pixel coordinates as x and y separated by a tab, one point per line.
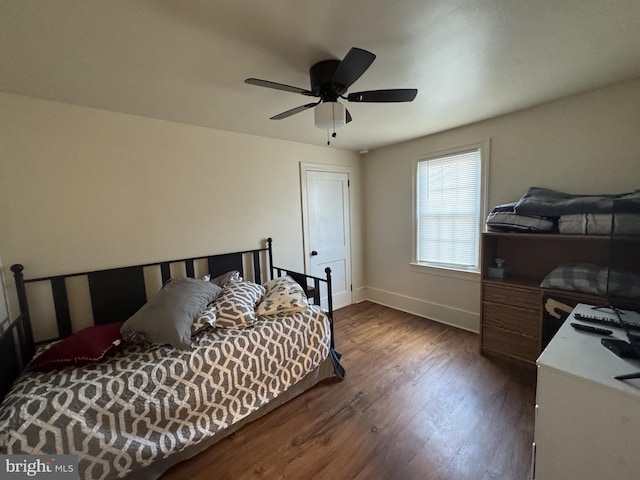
580	277
168	316
623	283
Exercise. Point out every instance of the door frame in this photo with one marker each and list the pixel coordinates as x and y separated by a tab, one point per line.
326	168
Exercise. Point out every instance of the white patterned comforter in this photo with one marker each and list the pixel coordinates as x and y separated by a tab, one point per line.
145	403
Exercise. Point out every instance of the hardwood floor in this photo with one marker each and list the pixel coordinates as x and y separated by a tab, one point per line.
419	402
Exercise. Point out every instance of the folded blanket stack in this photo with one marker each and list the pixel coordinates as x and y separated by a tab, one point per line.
546	210
504	218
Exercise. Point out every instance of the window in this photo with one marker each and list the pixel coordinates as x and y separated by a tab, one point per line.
449	207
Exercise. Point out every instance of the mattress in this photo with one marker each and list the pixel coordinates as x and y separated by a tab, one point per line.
146	404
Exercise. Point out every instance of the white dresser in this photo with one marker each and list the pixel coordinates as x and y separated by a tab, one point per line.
587	423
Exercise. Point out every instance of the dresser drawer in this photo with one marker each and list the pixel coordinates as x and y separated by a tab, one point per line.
523	321
510	295
506	342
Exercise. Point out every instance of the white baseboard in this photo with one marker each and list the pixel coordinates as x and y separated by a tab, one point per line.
455	317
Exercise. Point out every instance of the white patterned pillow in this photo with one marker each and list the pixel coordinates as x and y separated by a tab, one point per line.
206	319
235	307
283	294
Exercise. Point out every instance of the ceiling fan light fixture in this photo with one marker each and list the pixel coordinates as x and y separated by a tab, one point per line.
330	115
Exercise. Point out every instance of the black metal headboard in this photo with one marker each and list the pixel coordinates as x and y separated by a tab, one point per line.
117	293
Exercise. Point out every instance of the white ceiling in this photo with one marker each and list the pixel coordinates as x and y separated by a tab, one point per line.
186	60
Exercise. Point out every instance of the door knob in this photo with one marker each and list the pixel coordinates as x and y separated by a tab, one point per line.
313	253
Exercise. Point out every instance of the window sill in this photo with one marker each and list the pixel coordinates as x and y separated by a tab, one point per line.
467	275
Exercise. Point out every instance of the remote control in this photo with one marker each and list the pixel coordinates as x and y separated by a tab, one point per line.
605	321
590	329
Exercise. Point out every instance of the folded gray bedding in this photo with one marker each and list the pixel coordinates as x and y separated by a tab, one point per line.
504	218
547	202
599	224
542	210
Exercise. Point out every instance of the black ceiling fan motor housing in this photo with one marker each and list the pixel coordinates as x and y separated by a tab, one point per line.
321	76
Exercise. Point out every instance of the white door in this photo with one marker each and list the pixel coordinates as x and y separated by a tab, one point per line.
327	229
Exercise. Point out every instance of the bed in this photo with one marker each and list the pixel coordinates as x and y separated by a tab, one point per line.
139	407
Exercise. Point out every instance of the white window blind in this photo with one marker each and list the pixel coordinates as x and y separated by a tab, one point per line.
448	193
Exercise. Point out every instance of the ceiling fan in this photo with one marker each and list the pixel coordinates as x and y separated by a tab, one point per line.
330	80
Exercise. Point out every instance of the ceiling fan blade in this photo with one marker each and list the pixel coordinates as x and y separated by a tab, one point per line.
293	111
354	64
348	116
277	86
397	95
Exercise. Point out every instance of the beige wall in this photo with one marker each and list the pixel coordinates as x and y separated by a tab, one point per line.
584	144
82	189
